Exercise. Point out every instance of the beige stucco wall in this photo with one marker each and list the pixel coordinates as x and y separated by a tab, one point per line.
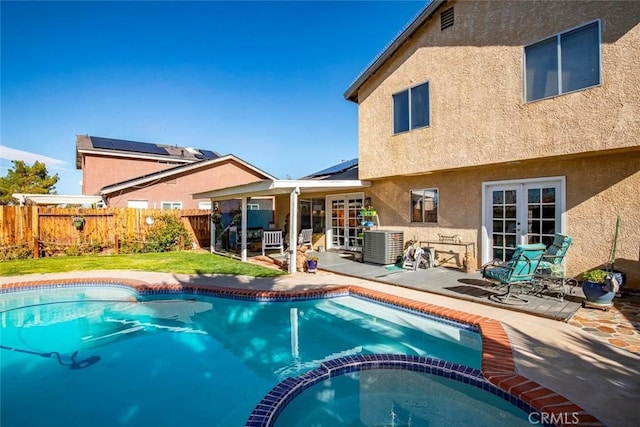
475	72
597	190
181	187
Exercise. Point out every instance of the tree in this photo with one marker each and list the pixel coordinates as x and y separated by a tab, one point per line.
22	178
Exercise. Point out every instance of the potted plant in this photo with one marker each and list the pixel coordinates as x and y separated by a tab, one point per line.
312	263
78	221
599	287
601	284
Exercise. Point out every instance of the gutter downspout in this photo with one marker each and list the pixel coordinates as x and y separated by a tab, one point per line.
293	226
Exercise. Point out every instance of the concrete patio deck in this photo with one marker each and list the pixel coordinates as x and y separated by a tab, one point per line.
451	283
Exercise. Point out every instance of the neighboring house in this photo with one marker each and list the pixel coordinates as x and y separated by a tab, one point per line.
505	122
145	175
328	202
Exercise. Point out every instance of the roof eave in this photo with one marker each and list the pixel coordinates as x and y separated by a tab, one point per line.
351	93
278	187
105	191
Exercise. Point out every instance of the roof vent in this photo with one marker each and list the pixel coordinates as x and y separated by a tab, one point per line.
446	19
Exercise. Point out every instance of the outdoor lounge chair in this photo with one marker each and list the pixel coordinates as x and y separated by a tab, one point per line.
550	275
305	237
519	271
272	240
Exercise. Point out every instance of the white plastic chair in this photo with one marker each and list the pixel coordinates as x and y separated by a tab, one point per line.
305	237
272	240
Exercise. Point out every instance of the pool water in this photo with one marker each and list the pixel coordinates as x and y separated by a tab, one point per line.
391	397
97	356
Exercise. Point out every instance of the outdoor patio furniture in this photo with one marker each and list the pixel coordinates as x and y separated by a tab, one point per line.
305	237
550	275
272	240
519	271
415	257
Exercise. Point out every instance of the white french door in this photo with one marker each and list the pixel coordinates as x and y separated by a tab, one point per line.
345	227
521	212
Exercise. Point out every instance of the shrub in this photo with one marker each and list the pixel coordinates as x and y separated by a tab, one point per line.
8	253
165	234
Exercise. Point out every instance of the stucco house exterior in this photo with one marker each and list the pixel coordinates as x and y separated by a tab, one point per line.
145	175
504	122
498	122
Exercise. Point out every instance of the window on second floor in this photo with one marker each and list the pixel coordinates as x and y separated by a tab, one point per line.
566	62
411	108
424	205
171	205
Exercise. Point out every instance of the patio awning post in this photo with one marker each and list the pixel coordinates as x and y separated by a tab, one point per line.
243	227
293	226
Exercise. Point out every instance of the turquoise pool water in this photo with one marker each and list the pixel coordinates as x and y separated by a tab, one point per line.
392	397
96	356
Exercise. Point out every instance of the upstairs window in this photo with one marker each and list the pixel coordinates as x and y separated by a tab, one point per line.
411	108
424	205
567	62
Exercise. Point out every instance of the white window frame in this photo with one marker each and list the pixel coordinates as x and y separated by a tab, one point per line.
172	206
204	205
561	204
437	198
138	204
393	108
558	38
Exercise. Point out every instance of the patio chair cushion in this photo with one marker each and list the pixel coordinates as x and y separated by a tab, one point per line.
551	262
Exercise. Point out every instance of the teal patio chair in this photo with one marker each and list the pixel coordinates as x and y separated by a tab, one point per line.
550	275
519	271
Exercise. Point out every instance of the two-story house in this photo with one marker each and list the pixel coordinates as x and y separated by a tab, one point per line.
145	175
504	122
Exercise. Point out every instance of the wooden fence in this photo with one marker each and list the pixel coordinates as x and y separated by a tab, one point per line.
33	225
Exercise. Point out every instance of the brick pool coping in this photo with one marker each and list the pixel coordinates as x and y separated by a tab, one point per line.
497	366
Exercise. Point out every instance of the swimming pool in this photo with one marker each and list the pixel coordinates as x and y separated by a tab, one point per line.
397	397
106	356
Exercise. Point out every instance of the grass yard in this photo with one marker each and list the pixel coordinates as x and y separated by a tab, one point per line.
186	262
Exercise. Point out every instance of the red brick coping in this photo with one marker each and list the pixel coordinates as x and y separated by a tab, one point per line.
498	365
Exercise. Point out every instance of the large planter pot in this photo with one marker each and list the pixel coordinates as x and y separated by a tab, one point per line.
312	266
594	294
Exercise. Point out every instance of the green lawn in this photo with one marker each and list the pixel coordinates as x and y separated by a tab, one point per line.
187	262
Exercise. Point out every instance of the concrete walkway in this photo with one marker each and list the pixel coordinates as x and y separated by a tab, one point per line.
583	367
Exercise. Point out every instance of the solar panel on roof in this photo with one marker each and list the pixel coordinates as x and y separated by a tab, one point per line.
340	167
147	148
121	145
131	146
102	143
208	154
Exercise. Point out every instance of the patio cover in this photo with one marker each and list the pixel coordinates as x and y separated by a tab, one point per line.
276	187
56	199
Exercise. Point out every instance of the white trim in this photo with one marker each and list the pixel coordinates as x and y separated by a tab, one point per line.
55	199
328	215
171	203
274	187
138	204
152	177
560	203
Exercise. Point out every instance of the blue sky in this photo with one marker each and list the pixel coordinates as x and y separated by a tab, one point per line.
261	80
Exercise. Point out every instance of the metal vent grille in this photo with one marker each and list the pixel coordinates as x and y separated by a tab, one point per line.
446	19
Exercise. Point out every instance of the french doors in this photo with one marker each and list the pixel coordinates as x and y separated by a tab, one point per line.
345	229
521	212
